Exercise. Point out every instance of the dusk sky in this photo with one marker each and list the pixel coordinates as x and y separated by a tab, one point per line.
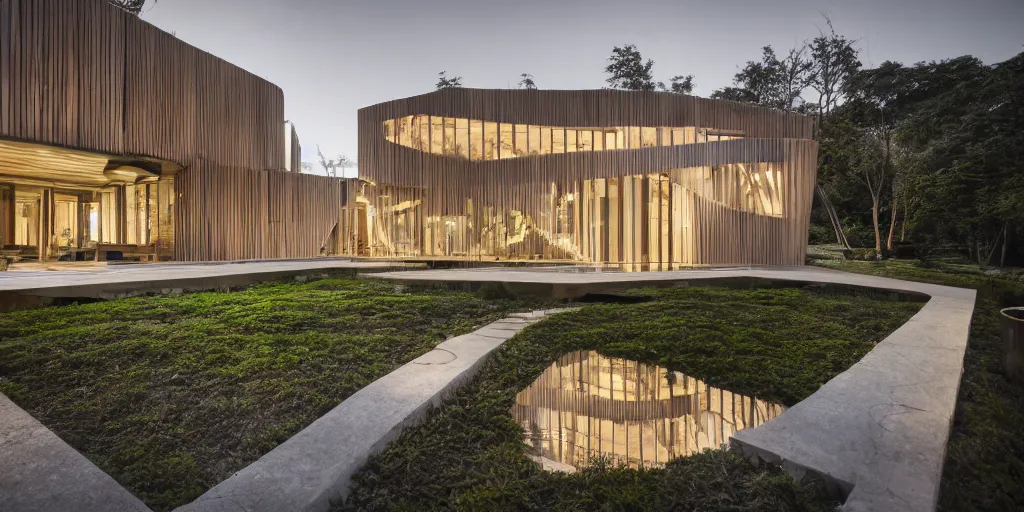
332	57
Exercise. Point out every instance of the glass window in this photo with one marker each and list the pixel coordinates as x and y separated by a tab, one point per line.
506	142
462	138
545	140
666	135
449	136
570	141
648	137
405	131
557	140
678	136
534	138
389	130
521	144
610	140
437	135
634	138
586	140
598	140
421	132
476	140
490	141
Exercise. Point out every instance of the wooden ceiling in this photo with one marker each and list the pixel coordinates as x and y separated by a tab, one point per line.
38	165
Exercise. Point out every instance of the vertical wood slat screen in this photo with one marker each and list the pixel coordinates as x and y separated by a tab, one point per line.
478	209
84	74
240	214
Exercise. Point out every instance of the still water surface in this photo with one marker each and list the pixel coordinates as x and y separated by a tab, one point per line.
635	414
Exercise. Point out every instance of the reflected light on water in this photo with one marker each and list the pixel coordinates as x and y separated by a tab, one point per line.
587	405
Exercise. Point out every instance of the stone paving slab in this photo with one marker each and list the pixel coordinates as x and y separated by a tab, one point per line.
39	472
313	470
163	273
878	431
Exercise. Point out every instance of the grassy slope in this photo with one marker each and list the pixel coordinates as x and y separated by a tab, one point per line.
985	460
170	395
776	344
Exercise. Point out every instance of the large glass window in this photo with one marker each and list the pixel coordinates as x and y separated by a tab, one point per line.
533	136
484	140
586	140
437	135
558	140
462	138
507	143
476	140
490	141
522	145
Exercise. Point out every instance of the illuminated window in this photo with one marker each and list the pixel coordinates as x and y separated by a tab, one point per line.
485	140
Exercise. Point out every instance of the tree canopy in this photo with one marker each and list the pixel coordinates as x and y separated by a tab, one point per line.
132	6
443	82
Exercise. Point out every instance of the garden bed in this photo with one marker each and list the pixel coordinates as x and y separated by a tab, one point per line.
774	344
984	467
171	395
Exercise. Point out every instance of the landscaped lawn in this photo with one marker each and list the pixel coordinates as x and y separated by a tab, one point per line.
170	395
775	344
984	467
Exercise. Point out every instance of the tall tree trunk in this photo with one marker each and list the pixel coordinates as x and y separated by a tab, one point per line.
1006	241
874	220
903	227
892	225
833	217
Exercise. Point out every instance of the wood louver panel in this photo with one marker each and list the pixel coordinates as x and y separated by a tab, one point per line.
641	180
85	75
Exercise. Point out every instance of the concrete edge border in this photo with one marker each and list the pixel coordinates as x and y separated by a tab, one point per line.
39	472
312	470
875	434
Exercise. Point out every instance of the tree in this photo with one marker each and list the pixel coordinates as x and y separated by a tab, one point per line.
628	70
527	82
770	82
331	166
132	6
443	82
833	60
678	84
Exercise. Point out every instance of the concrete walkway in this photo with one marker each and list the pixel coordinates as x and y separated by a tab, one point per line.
313	470
878	431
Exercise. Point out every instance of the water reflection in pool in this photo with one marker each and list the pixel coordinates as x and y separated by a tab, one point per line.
632	413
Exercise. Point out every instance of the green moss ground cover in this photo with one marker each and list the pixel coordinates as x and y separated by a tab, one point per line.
984	467
776	344
170	395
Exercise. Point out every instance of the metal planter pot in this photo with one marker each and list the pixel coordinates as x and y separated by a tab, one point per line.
1013	336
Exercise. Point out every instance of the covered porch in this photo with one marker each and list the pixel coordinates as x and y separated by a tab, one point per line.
58	204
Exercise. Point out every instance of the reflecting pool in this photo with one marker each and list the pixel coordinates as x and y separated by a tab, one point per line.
586	405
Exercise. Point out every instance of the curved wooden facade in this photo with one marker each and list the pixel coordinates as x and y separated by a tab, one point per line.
205	138
641	180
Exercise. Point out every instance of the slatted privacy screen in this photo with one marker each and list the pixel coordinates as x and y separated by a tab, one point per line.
240	214
643	180
83	74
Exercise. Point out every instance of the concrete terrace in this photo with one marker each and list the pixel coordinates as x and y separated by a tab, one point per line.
29	287
877	432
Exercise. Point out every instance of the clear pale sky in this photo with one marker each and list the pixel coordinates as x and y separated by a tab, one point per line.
332	57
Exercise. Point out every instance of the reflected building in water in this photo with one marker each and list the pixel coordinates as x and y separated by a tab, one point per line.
641	180
586	405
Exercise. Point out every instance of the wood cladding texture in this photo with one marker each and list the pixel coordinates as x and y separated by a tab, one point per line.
240	214
631	206
83	74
